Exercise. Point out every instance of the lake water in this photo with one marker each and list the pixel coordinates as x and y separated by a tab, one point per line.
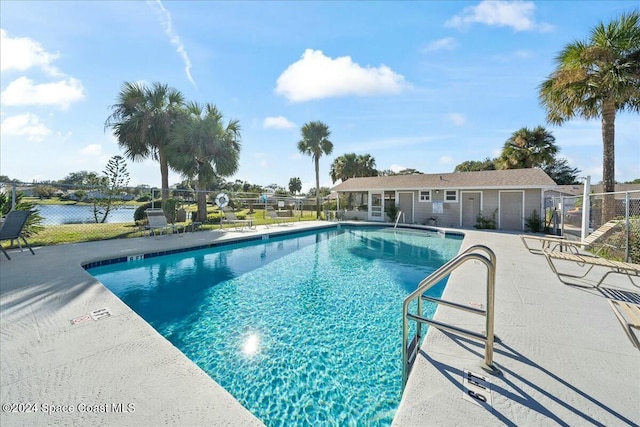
77	214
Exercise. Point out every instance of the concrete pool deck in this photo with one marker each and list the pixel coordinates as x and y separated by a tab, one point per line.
564	357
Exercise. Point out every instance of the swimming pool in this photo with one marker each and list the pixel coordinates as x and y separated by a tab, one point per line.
301	329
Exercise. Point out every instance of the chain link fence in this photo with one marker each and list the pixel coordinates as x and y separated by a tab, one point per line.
73	213
564	216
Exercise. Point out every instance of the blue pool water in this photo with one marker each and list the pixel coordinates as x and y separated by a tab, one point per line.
302	330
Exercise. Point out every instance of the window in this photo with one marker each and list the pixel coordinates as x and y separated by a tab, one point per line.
451	196
425	196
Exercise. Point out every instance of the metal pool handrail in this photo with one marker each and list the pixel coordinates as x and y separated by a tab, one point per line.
410	350
398	218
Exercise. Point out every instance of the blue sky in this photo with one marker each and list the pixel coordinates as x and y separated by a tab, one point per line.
423	85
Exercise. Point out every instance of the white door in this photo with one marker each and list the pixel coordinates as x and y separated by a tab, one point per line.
376	206
511	205
471	208
406	206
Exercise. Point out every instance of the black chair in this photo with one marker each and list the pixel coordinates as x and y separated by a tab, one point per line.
12	228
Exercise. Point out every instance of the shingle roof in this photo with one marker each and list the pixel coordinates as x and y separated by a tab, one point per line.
520	178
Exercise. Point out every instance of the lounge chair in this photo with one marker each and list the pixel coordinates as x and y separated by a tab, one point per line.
12	229
628	314
555	243
238	224
275	219
588	262
158	222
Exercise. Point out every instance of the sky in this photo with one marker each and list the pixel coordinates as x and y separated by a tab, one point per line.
422	84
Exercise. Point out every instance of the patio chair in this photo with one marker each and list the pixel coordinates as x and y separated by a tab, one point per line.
553	243
12	229
231	218
588	262
275	219
158	222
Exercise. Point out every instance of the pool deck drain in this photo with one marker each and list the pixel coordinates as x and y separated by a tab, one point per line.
564	357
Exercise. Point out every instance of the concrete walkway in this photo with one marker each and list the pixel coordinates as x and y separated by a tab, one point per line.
564	357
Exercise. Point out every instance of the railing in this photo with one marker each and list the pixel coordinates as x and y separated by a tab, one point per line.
398	218
410	349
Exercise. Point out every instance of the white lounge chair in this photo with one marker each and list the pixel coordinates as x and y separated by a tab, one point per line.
158	222
557	243
587	263
628	314
275	219
238	224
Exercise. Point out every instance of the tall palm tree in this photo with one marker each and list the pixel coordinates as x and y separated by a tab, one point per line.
142	120
528	148
315	142
204	148
595	79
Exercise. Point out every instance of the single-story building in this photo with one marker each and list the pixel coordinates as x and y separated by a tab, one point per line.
459	199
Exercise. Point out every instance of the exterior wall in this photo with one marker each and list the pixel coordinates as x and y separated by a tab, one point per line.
357	215
450	216
451	213
533	200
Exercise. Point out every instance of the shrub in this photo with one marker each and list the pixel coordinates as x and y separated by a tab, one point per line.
139	215
484	223
534	222
170	208
392	211
34	223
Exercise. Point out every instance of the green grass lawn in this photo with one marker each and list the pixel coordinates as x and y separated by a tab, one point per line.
71	233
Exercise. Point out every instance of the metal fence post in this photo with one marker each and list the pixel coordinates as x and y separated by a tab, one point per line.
627	214
586	208
13	197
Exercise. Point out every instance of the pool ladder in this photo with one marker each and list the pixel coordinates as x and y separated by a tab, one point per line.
410	349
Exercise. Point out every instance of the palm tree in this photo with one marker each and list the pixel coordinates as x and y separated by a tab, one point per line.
142	120
204	148
344	167
528	148
351	165
295	185
315	142
366	165
595	79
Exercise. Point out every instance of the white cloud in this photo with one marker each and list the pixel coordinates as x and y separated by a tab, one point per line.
316	76
397	168
457	119
24	91
92	150
165	20
22	53
515	14
279	122
25	125
445	160
447	43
